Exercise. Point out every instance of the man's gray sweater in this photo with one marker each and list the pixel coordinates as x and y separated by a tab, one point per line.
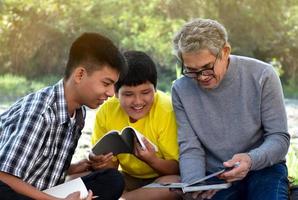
244	114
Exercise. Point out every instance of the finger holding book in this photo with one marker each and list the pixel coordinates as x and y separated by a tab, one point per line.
73	196
79	167
90	196
240	164
146	154
203	194
76	196
148	145
208	194
100	161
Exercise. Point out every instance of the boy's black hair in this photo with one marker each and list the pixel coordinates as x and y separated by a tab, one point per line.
93	50
141	69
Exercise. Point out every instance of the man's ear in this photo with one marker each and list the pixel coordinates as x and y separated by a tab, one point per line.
226	50
79	73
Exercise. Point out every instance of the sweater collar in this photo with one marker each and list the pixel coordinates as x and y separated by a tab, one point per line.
230	74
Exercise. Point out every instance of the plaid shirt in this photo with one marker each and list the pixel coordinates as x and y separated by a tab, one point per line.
37	138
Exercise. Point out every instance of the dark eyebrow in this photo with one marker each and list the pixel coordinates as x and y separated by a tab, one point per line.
109	80
146	90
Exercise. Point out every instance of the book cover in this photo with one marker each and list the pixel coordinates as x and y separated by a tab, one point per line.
120	142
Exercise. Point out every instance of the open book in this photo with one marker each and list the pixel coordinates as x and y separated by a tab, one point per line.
197	185
64	189
120	142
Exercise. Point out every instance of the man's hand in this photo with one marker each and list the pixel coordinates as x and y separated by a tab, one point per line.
238	172
196	195
203	194
100	161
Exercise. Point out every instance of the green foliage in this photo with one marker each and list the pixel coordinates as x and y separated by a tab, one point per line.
291	89
35	35
292	162
13	86
277	66
9	83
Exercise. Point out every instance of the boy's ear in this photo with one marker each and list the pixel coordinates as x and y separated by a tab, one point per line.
79	73
116	94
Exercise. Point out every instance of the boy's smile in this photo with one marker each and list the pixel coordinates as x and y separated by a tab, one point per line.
136	100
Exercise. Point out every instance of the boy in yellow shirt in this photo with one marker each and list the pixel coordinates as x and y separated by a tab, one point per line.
139	105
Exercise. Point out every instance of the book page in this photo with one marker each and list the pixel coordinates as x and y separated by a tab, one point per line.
140	138
206	186
64	189
200	184
206	177
185	188
165	185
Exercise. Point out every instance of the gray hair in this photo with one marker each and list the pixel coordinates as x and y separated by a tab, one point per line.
200	34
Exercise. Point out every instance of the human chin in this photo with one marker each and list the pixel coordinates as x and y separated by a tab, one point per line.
136	114
210	84
95	104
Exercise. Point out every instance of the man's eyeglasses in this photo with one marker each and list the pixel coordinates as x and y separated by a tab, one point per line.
206	71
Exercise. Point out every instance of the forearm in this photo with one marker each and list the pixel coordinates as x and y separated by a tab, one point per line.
272	151
24	188
165	167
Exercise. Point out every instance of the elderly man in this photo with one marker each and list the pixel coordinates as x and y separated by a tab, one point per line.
230	110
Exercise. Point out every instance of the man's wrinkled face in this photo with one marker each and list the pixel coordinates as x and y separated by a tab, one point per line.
208	70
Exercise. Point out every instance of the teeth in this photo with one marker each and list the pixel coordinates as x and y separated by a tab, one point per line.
138	108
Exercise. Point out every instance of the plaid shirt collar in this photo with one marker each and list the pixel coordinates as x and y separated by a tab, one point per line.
63	116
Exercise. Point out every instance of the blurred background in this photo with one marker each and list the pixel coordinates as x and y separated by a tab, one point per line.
35	36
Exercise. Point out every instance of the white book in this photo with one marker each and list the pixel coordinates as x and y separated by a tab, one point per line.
120	142
197	185
64	189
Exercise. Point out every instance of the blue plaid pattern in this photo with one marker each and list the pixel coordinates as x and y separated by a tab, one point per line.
37	138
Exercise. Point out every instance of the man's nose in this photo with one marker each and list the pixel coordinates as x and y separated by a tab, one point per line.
202	77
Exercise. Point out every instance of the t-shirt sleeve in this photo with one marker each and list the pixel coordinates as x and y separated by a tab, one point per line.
167	128
100	124
168	138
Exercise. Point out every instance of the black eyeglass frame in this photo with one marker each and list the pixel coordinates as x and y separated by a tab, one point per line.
199	73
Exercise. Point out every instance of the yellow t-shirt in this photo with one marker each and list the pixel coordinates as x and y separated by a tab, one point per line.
159	126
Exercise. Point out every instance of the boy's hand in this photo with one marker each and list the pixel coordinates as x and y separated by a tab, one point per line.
76	196
73	196
147	154
90	195
100	161
79	167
